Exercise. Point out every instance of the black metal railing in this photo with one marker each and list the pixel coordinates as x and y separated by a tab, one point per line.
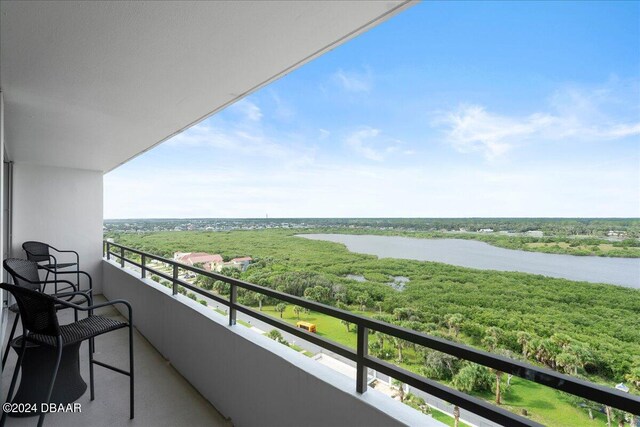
576	386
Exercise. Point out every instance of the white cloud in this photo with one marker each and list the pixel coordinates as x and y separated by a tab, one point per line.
283	110
374	190
324	133
248	109
471	128
360	142
372	144
353	81
245	136
572	114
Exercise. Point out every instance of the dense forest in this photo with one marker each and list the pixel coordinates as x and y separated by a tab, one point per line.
579	328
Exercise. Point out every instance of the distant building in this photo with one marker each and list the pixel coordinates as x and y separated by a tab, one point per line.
485	230
535	233
210	262
237	263
614	233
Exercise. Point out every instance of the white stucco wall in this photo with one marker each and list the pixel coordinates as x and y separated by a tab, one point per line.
249	378
61	207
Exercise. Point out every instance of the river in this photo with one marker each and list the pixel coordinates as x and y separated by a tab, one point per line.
480	255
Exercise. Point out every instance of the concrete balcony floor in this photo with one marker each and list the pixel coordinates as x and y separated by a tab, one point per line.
162	396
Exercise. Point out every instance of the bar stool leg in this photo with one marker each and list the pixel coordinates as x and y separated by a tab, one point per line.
14	378
13	331
53	380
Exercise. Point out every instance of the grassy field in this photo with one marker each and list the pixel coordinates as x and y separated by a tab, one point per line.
445	419
546	405
328	327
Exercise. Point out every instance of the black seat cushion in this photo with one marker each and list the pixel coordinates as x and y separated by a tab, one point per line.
76	300
59	265
81	330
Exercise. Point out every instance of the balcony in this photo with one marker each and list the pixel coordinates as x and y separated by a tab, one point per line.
194	364
156	381
125	276
85	87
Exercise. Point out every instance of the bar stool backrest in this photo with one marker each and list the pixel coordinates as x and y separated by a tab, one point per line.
23	272
36	251
37	310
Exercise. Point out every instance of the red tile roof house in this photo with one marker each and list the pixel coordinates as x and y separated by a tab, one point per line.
239	263
209	261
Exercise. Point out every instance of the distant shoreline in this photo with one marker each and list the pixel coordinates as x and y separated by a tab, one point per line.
480	255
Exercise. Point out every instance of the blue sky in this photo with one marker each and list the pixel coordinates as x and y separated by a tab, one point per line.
450	109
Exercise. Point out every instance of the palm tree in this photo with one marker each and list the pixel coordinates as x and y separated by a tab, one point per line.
347	324
297	309
634	376
400	386
362	300
379	306
498	375
454	321
380	337
399	343
546	352
260	298
456	416
490	342
280	308
568	362
524	339
493	336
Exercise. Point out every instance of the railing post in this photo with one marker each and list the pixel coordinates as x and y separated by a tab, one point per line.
362	351
108	250
143	270
122	256
233	296
175	279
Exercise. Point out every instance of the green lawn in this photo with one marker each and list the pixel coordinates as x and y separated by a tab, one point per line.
243	323
546	405
327	326
445	419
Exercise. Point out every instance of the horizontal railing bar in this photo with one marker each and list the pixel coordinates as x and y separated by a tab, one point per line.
544	376
308	336
203	292
455	397
160	274
113	368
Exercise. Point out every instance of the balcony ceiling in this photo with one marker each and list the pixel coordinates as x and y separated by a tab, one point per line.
92	84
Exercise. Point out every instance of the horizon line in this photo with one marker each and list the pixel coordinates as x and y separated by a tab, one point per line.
391	217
